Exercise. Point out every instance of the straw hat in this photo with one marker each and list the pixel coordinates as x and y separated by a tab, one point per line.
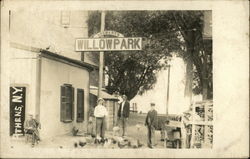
100	99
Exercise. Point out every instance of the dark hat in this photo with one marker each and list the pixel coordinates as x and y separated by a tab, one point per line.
152	104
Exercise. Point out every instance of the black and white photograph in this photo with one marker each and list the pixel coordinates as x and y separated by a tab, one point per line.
123	79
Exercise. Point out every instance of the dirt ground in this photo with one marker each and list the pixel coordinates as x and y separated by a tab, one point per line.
141	134
135	130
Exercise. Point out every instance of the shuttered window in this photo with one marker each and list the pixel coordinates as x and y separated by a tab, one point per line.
67	103
80	105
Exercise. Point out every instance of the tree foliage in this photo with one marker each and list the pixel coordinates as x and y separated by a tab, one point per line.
163	33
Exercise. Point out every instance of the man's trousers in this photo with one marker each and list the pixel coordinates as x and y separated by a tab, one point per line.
100	127
151	136
123	125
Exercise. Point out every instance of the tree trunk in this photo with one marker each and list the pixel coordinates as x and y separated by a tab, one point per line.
190	41
204	80
189	80
210	89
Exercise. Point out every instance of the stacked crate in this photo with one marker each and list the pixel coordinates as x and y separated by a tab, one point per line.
202	125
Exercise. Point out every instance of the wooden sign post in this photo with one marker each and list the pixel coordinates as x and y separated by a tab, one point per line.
101	58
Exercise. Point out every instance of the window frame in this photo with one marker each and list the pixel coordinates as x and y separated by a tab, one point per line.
80	108
67	103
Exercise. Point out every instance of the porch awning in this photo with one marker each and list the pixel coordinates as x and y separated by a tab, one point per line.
105	95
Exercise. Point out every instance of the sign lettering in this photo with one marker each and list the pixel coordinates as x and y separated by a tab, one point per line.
109	33
109	44
17	110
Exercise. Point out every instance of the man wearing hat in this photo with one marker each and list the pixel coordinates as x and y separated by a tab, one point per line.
31	126
100	114
123	114
151	123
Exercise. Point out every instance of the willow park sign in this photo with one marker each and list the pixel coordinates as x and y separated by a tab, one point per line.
108	44
118	43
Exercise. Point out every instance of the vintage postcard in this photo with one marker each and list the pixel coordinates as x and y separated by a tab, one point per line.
108	79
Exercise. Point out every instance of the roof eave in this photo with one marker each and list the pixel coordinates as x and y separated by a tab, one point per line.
64	59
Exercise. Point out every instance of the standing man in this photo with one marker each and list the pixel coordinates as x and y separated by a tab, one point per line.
123	114
151	123
100	114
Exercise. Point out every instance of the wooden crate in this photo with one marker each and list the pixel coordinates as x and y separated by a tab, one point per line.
202	125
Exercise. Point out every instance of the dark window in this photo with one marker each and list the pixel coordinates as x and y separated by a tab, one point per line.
67	103
80	105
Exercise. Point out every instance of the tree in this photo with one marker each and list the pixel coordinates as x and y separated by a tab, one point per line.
164	33
198	53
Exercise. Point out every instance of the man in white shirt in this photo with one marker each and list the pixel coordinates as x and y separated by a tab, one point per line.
100	114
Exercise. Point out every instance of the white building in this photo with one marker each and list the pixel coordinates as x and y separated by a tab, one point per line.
47	77
158	94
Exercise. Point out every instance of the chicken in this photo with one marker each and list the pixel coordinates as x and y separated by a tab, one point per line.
75	145
82	144
121	145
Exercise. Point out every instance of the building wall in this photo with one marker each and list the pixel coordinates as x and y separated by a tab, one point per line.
44	28
55	74
23	73
207	28
55	30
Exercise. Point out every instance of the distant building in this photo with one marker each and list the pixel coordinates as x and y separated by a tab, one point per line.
207	27
158	94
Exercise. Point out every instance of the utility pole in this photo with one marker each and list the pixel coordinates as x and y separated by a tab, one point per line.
101	58
168	90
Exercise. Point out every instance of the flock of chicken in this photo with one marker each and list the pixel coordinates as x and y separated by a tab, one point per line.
112	142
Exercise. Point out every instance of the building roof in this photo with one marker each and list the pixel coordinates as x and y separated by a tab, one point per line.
105	95
64	59
53	56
